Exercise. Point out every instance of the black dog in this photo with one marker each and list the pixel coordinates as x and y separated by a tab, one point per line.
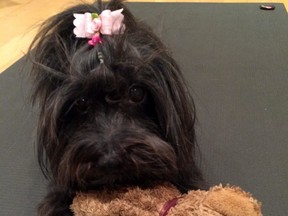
114	114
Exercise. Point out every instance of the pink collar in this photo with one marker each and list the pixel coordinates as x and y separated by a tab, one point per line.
168	205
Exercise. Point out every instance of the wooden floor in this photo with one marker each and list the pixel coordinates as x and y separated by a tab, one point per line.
19	20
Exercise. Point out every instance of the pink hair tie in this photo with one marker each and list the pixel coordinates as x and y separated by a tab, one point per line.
91	25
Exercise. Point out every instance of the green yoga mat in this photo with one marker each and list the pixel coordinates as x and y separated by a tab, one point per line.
235	59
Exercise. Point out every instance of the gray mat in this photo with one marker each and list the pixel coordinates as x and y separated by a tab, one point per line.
235	58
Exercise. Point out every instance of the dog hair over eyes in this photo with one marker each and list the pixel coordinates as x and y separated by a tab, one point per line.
125	119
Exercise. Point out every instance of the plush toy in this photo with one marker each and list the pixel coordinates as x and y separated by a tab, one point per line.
166	200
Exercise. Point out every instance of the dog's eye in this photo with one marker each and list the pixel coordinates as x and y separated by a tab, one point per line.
81	104
137	94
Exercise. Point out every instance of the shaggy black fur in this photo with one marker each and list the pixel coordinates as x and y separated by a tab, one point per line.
129	120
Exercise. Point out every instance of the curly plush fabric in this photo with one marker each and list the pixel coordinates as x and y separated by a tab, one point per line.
218	201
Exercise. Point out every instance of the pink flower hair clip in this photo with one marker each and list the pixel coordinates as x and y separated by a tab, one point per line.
91	25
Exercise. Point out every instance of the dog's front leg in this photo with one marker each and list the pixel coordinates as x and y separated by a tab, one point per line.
56	203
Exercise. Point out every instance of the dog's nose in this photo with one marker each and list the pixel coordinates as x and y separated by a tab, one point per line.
110	161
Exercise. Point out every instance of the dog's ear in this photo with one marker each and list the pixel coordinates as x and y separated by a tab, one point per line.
50	54
176	113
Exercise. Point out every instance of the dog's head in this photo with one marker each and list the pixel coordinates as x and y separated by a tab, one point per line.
126	120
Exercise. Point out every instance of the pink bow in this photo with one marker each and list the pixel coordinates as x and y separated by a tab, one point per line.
89	25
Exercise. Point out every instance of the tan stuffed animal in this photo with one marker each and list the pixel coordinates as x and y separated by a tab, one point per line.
166	200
